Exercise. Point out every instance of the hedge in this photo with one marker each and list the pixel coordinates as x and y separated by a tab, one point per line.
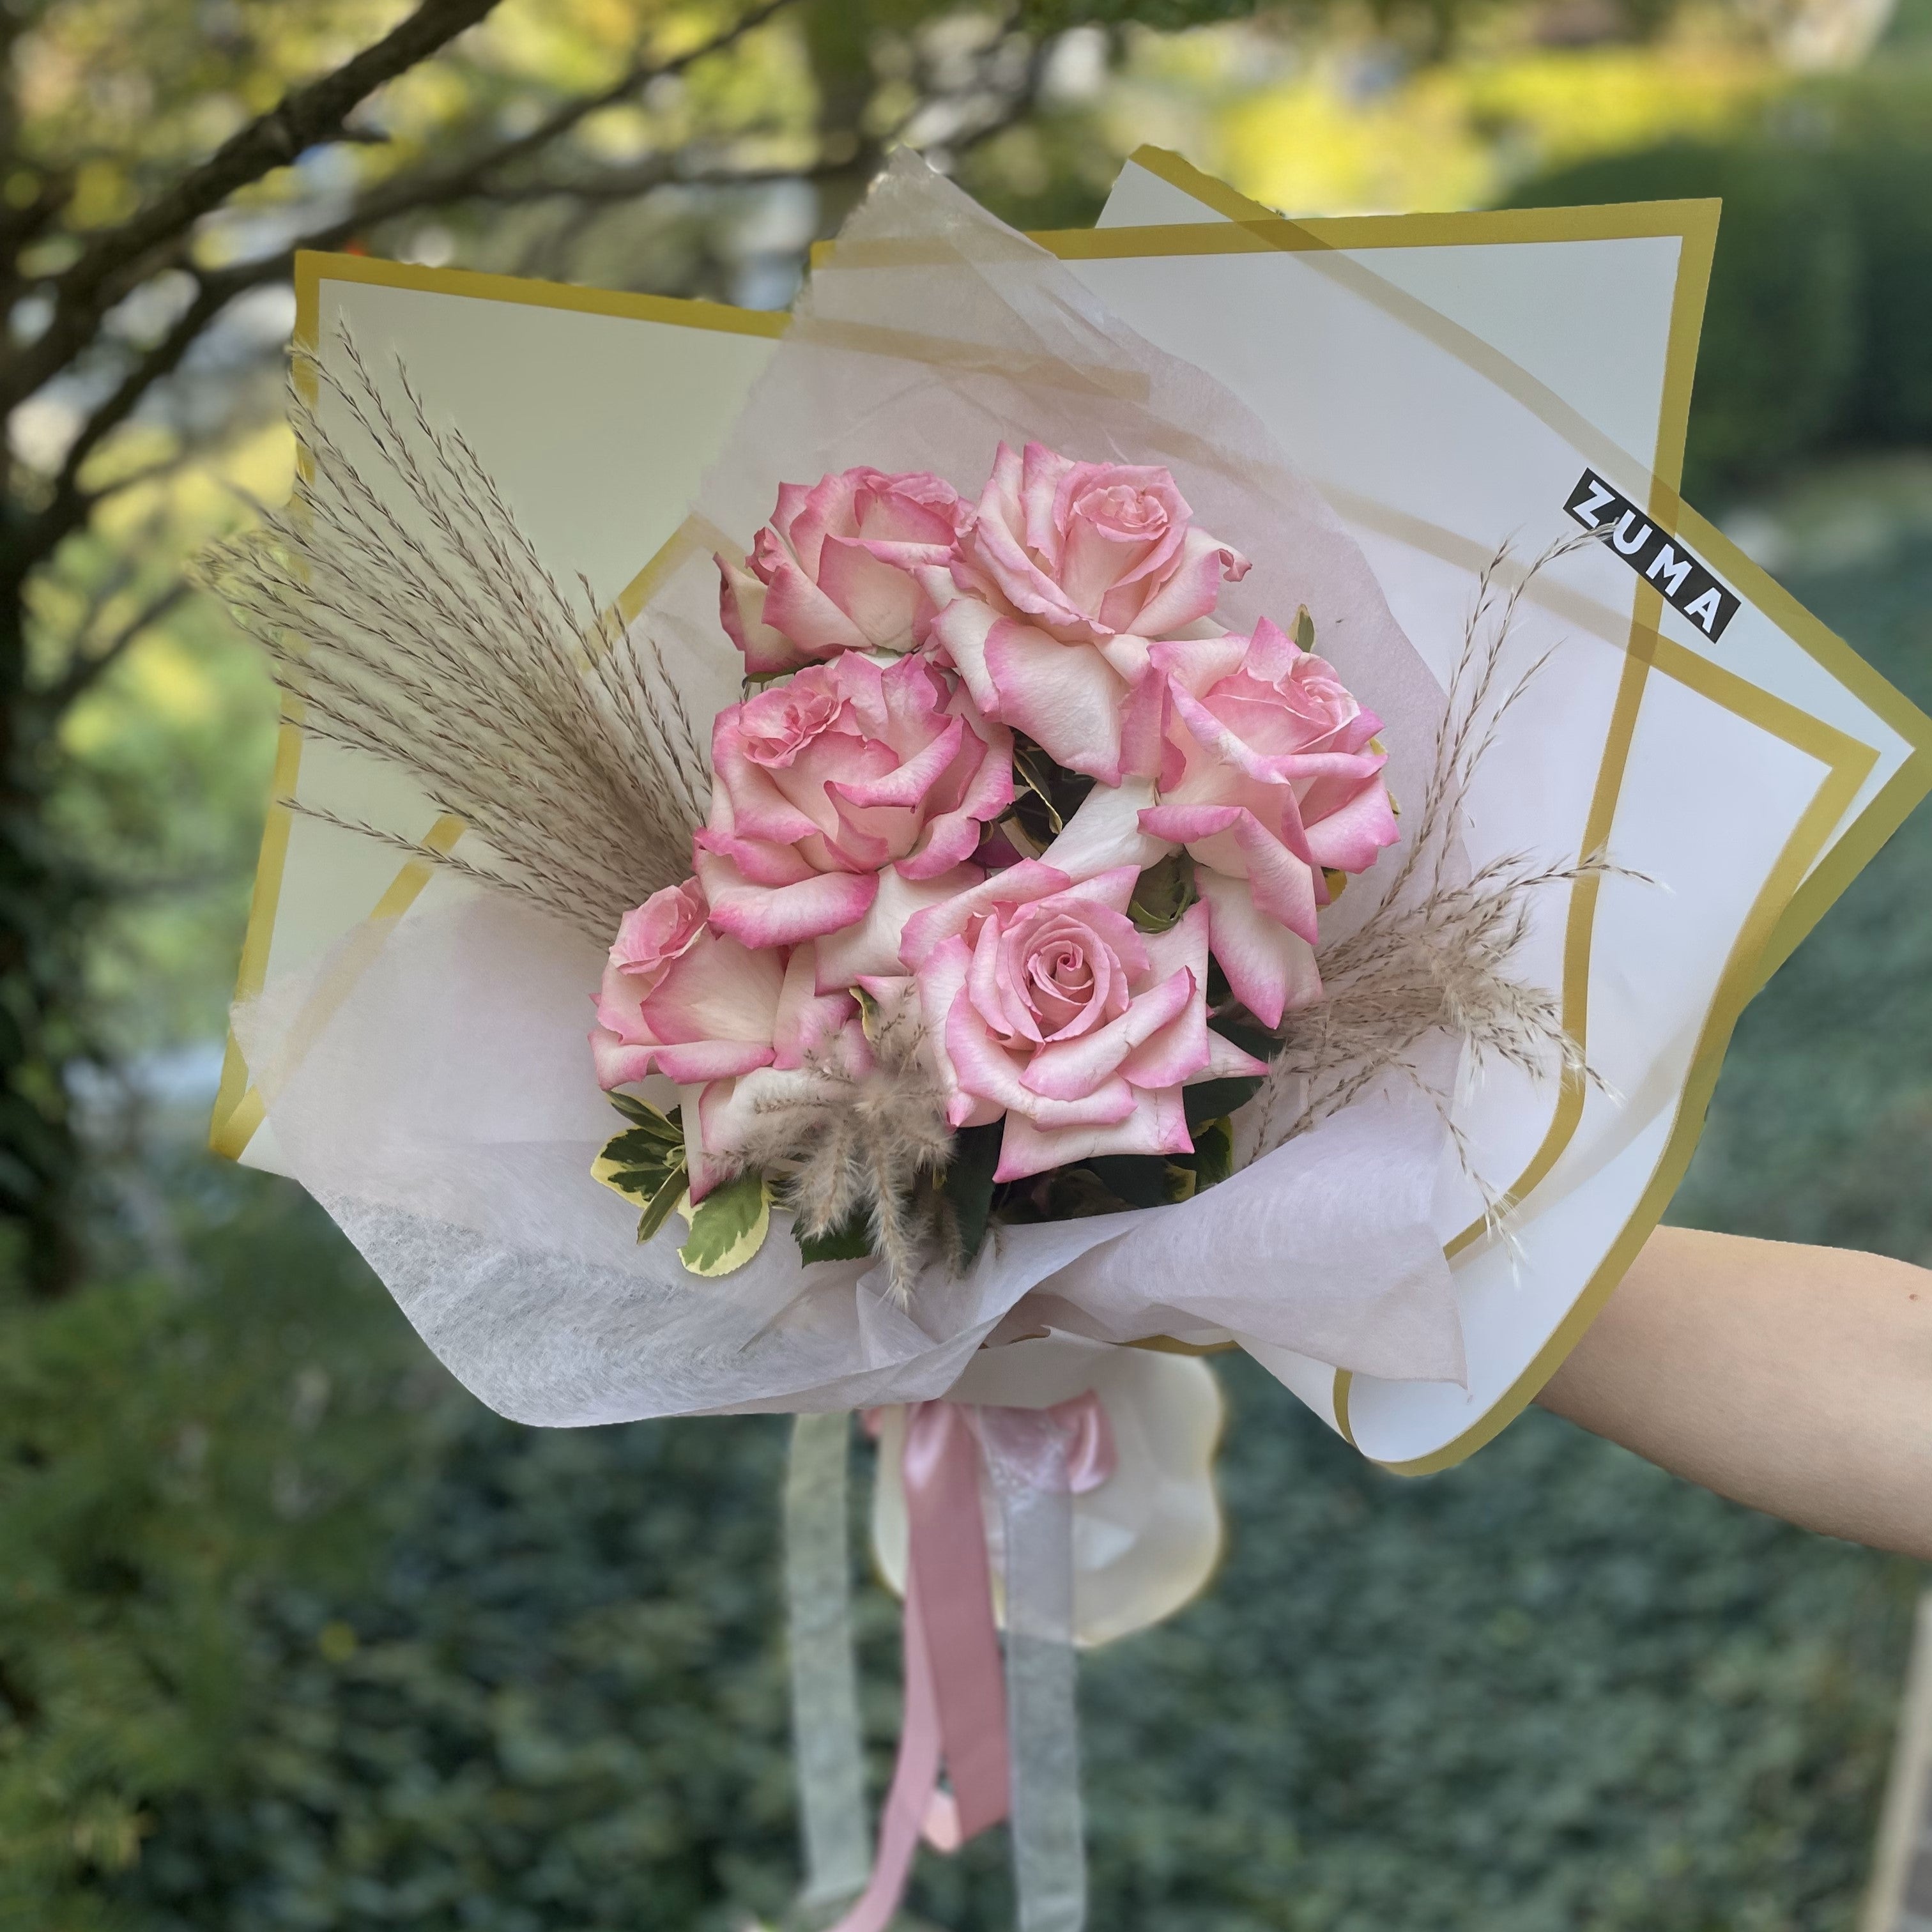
1816	332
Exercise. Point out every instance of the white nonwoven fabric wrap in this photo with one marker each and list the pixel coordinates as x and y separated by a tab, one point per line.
429	1083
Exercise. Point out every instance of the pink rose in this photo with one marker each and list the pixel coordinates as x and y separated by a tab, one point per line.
681	1000
1067	571
1266	775
834	570
823	782
1042	1001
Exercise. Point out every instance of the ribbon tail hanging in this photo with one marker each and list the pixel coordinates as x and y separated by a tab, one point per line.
826	1739
1029	1457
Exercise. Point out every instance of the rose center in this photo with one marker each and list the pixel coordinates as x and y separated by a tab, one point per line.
777	725
1064	977
1123	514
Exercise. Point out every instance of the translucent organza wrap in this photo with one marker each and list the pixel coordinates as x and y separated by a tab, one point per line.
430	1083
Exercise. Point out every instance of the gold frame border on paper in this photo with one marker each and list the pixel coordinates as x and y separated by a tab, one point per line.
1771	932
1775	927
1849	763
1249	227
238	1109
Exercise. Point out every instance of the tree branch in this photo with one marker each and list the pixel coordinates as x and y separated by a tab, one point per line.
434	188
118	258
80	675
68	506
627	184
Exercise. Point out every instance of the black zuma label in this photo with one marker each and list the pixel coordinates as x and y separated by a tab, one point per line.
1663	559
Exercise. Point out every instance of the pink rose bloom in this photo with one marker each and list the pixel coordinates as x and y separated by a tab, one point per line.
822	783
1266	775
1042	1001
834	570
1068	571
681	1000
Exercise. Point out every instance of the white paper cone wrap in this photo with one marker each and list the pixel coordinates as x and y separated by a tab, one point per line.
431	1085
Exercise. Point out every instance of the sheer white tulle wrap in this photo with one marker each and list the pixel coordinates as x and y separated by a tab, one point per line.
431	1085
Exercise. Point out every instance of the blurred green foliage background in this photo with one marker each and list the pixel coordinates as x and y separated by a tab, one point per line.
293	1635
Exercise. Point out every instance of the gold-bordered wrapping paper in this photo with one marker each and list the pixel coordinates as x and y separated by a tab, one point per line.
1776	666
581	400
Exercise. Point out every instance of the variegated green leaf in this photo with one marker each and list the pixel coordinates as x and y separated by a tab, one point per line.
728	1227
657	1209
645	1118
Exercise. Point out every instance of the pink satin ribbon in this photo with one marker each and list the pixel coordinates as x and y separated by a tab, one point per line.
955	1701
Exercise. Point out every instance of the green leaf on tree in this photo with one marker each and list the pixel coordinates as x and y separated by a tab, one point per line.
728	1227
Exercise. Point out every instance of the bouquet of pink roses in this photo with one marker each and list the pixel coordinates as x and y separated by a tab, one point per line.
1012	871
975	848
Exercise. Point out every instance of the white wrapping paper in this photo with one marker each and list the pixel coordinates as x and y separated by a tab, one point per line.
438	1097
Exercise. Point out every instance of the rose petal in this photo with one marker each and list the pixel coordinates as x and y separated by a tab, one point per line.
764	916
719	990
1157	1123
795	605
712	1059
924	931
741	607
960	630
882	602
907	783
1070	1069
1227	1061
1349	838
805	1017
871	945
983	1067
758	862
1105	832
1193	587
1179	1050
986	774
1066	698
617	1063
1270	969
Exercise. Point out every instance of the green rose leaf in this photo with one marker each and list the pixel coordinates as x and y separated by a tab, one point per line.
1208	1100
646	1119
1137	1179
728	1227
658	1208
1214	1157
966	1185
645	1163
851	1241
1162	893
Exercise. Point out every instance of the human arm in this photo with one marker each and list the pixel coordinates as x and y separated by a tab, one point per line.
1798	1380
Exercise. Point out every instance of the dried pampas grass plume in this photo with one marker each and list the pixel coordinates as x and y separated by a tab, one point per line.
857	1141
408	618
1437	956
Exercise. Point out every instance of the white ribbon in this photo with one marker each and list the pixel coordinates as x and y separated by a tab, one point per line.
1026	1453
824	1678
